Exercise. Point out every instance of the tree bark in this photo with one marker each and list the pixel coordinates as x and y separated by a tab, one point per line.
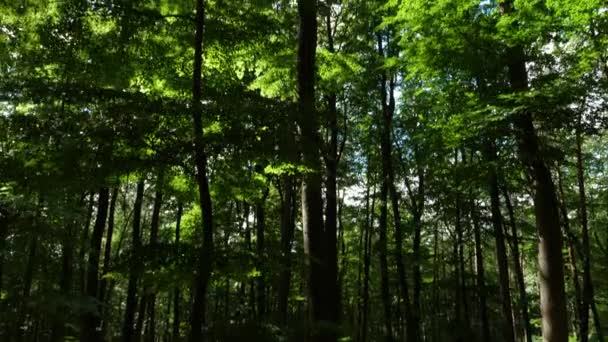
131	306
154	227
367	251
320	307
28	277
104	287
107	252
83	243
382	254
287	231
417	202
481	283
501	250
260	213
67	270
519	273
205	259
176	293
572	253
551	263
251	295
331	163
4	221
141	315
588	300
462	303
388	109
90	320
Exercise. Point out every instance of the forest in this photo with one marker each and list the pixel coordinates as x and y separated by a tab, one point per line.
303	170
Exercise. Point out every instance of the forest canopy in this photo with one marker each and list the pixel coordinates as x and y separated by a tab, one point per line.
303	170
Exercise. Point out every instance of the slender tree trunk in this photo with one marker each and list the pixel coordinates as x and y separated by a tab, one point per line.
331	162
361	245
251	295
67	270
150	332
501	249
417	212
596	322
435	295
90	320
107	258
464	306
131	306
367	252
105	324
287	231
343	256
107	252
588	300
176	293
388	108
260	213
572	253
582	214
458	316
84	243
481	283
519	273
205	260
382	246
551	263
4	220
141	316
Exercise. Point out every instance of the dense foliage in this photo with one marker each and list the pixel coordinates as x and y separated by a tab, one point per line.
282	170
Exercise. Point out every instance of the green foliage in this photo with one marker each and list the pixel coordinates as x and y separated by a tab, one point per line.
98	94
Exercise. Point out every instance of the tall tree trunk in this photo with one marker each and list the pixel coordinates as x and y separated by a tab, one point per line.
84	240
90	320
205	260
107	258
501	249
361	245
367	252
382	246
435	294
551	263
109	310
67	265
4	221
572	253
287	230
519	273
154	227
251	295
131	306
458	316
331	162
260	213
288	209
463	305
141	315
343	256
481	283
107	252
176	293
417	203
320	307
28	277
387	87
588	291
